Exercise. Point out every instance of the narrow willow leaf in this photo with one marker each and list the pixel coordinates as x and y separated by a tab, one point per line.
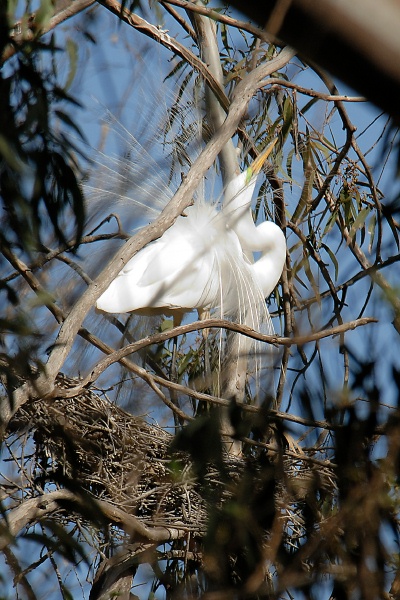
287	117
166	325
346	200
300	281
371	231
359	221
185	362
310	277
68	121
224	37
330	222
309	173
7	153
326	151
72	51
309	105
388	216
289	161
333	259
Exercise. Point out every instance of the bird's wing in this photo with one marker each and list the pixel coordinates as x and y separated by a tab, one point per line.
180	270
169	259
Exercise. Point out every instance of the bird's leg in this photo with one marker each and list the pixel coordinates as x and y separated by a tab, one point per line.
203	315
177	319
173	370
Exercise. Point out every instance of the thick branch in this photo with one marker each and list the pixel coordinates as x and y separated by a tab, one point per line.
208	46
34	510
160	338
114	575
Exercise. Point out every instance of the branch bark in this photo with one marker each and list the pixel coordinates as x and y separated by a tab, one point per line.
160	338
114	575
36	509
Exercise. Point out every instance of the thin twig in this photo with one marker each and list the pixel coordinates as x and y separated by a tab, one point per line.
275	81
182	22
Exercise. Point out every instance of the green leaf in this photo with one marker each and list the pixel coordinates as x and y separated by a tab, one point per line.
359	221
333	259
289	161
309	173
371	231
224	37
309	105
287	117
9	155
41	298
325	149
346	199
68	121
184	363
166	325
330	222
393	226
44	13
72	51
310	276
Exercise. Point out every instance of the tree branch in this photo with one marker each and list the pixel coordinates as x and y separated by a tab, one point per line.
183	198
277	81
159	338
36	509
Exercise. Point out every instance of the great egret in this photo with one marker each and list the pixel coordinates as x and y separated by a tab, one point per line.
202	261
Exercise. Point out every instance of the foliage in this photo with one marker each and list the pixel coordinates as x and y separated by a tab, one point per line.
38	169
39	188
97	494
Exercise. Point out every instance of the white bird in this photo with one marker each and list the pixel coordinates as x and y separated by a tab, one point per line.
202	261
266	238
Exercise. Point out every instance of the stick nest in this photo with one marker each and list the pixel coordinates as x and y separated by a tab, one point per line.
111	454
126	461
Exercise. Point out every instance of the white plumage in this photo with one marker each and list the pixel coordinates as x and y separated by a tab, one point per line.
204	261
